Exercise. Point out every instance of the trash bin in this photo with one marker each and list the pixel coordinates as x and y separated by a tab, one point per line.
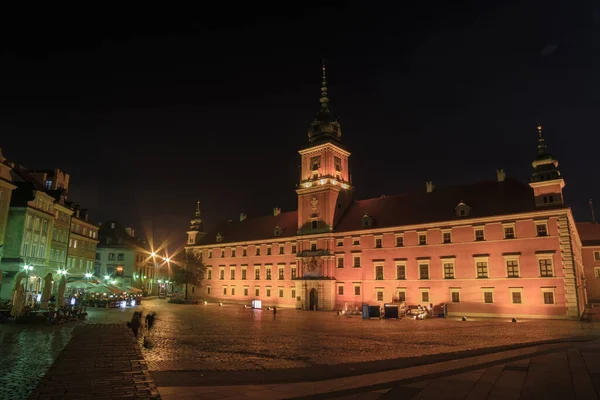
391	311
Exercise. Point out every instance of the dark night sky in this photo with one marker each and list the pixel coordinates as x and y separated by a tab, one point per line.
150	111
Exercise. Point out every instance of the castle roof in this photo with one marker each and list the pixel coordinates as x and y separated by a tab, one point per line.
485	199
589	233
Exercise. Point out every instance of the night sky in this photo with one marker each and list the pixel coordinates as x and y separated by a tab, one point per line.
150	110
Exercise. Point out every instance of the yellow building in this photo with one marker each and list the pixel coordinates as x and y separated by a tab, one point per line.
6	188
83	239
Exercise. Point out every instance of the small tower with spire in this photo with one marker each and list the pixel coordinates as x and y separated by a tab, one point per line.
325	187
546	181
196	232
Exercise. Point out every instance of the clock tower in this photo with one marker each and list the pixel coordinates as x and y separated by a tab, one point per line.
325	186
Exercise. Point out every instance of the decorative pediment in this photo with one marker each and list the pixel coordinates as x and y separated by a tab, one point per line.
462	210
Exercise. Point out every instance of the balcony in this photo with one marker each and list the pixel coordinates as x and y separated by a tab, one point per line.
314	253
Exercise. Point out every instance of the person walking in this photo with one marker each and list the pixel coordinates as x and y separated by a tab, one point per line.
135	323
274	312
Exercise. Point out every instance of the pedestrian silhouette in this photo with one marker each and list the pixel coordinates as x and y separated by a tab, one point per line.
274	312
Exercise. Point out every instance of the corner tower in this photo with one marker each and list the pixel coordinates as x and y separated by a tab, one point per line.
196	232
546	181
325	186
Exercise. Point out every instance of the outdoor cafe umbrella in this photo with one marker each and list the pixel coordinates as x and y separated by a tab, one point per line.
47	291
16	285
19	302
61	291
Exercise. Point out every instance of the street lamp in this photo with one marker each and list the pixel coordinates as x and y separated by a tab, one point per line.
88	275
27	269
167	259
106	277
153	254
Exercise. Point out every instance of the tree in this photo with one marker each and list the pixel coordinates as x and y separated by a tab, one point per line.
188	270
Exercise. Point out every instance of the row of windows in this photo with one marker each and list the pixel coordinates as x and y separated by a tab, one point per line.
516	295
85	231
37	223
246	291
481	269
34	250
257	275
257	251
509	233
479	235
73	243
57	255
73	262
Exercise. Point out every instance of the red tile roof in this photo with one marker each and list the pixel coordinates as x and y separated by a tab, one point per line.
589	233
257	228
485	199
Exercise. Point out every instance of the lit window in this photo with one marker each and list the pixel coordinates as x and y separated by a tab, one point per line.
448	271
545	267
482	269
509	232
422	239
512	268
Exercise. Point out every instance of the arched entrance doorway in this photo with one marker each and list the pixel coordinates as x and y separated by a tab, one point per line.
313	300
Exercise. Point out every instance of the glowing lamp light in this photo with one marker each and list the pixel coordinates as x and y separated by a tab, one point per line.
307	184
159	281
88	275
28	267
144	276
133	302
106	277
345	186
220	304
72	301
334	182
39	297
113	281
123	304
167	259
205	302
323	181
153	254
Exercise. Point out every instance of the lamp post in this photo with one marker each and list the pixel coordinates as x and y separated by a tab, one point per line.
27	268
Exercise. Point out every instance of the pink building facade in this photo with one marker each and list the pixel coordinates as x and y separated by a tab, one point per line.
497	248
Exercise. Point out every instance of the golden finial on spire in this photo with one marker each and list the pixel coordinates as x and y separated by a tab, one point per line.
541	144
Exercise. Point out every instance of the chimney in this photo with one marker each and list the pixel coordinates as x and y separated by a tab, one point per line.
242	217
276	211
500	174
430	186
77	213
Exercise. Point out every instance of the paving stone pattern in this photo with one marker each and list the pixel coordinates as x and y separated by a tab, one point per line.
572	373
100	362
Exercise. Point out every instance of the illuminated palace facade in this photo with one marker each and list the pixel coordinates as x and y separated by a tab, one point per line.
497	248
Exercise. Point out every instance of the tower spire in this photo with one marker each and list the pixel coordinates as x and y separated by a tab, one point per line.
198	214
324	99
541	144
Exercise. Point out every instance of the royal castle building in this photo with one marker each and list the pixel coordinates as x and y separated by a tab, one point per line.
497	248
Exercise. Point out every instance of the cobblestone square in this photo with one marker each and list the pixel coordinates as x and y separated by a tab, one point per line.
213	338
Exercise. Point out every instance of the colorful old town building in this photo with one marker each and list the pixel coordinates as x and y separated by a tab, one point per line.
496	248
590	240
